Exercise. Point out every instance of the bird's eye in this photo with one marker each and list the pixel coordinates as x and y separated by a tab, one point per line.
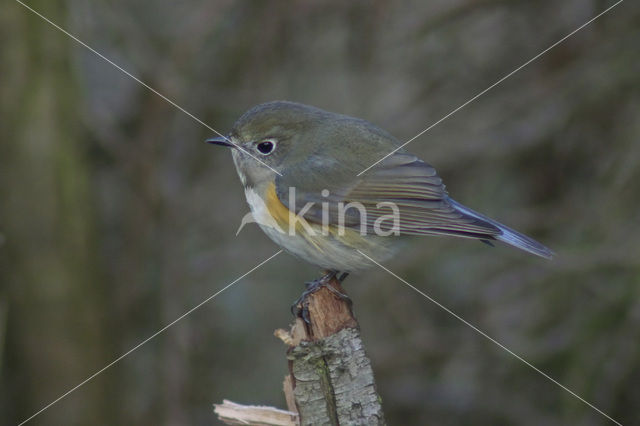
266	147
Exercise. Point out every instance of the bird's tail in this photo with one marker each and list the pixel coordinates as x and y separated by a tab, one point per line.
507	235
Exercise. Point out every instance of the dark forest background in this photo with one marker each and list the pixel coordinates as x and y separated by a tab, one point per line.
115	217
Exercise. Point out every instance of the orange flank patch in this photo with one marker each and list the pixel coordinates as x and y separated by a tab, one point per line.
282	216
277	210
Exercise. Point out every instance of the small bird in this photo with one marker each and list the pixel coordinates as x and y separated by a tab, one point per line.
302	172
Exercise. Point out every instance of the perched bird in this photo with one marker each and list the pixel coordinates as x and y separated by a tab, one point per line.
301	168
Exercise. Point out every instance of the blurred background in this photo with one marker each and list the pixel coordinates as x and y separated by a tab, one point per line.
115	217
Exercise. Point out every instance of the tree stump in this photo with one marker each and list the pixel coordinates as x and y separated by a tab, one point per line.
331	380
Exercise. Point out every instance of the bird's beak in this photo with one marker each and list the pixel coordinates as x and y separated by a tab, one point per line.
220	140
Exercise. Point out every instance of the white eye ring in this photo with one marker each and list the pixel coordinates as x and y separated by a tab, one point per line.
266	146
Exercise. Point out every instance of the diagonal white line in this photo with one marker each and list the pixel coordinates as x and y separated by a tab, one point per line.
494	85
58	27
500	345
97	373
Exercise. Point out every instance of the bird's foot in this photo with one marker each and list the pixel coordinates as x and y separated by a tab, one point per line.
300	308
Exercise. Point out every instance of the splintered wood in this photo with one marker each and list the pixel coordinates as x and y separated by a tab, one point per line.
328	313
258	415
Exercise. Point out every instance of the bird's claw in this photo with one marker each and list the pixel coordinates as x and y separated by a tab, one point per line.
300	308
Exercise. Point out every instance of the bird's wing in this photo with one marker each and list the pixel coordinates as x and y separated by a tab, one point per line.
410	184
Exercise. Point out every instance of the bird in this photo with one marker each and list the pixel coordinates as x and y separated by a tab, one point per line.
339	192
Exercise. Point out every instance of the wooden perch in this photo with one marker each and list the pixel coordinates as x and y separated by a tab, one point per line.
331	380
331	377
